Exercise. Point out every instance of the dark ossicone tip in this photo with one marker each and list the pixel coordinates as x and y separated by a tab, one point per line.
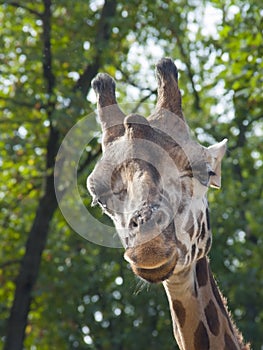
165	68
103	83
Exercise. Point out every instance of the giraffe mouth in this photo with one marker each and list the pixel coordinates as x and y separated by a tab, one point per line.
156	259
157	273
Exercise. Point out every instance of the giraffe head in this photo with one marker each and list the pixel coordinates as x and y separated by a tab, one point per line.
152	179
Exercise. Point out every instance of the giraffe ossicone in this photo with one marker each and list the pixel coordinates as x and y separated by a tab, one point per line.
152	181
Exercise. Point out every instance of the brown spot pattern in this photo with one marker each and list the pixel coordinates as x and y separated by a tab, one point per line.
181	208
190	226
207	218
212	318
179	311
203	231
217	294
229	344
181	246
219	300
201	340
201	272
200	253
193	252
208	245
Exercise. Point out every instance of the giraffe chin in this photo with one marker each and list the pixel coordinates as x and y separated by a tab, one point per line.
157	274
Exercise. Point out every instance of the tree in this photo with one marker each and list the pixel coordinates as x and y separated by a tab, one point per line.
50	53
239	49
47	204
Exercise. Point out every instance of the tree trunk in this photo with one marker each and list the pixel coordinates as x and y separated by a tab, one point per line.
32	258
37	237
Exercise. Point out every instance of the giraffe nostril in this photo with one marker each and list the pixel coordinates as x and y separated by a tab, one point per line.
133	223
148	217
140	218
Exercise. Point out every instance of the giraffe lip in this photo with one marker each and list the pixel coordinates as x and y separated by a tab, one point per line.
161	264
157	273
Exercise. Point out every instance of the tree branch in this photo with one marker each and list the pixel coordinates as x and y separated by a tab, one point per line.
47	55
18	5
132	83
101	42
9	263
190	73
143	99
30	105
90	158
6	121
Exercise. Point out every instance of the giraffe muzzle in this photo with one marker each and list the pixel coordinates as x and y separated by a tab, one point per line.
155	259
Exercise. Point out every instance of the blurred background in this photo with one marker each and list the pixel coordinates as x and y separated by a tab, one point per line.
58	290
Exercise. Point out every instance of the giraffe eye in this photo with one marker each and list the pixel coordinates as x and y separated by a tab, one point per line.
202	172
211	173
118	191
121	193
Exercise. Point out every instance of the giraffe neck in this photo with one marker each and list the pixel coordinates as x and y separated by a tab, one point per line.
199	315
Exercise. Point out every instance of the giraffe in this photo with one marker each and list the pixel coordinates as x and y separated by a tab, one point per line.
152	180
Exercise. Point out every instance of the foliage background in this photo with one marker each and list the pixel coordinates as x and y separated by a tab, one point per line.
57	289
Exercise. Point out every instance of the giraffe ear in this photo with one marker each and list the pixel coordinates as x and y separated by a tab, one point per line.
215	155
